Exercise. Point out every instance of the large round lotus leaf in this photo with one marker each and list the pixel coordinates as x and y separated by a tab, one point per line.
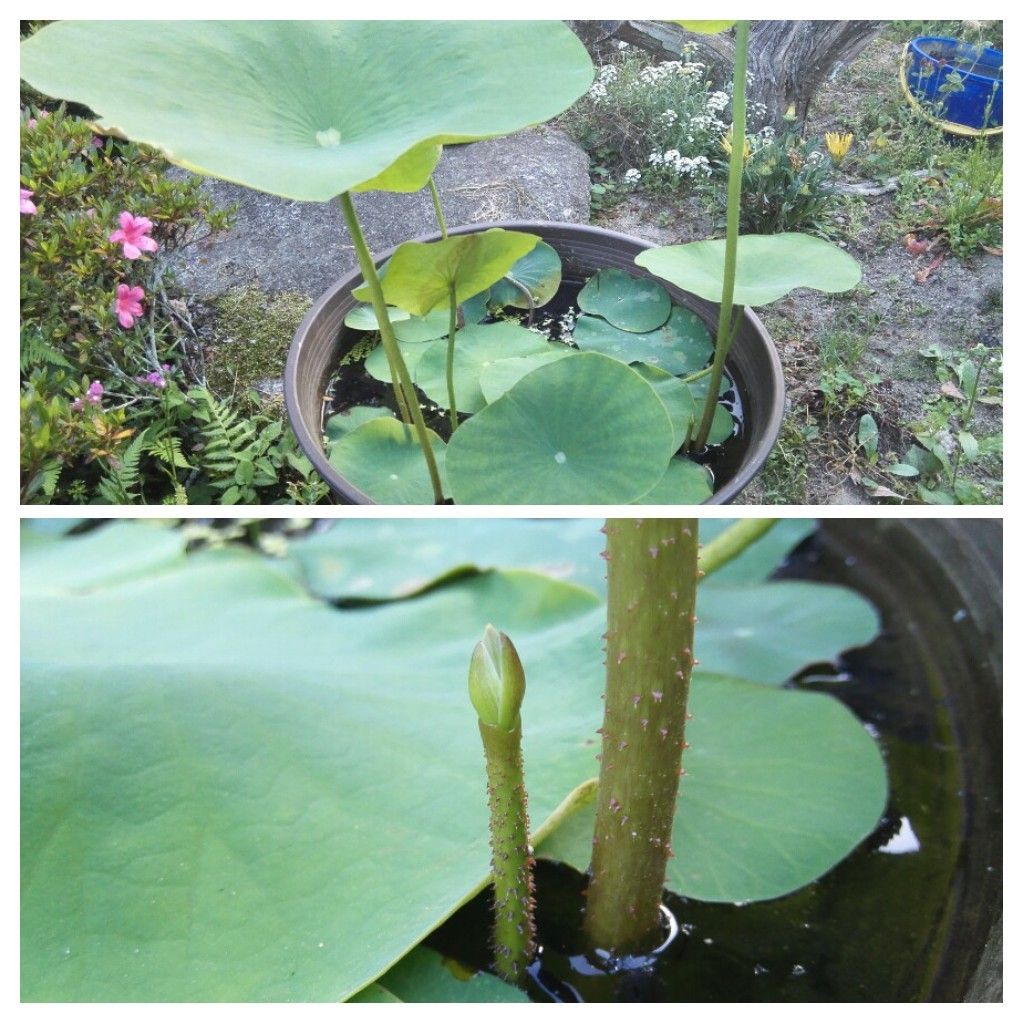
363	318
779	770
681	345
583	430
423	328
476	348
539	272
685	483
499	376
376	363
421	275
676	397
343	423
310	109
383	458
630	303
767	267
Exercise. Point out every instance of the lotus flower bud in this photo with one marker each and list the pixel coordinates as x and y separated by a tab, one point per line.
496	680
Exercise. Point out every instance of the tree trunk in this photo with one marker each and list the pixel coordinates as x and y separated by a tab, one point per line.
788	61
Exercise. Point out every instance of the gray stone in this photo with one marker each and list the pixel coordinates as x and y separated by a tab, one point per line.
283	245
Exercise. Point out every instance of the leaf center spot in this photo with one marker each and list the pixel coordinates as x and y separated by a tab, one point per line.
560	457
328	138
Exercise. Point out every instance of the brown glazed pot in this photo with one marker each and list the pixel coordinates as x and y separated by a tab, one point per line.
322	339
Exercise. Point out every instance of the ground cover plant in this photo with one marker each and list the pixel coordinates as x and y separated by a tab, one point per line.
922	214
289	730
115	402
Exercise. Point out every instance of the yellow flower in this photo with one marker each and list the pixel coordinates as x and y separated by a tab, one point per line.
838	145
727	146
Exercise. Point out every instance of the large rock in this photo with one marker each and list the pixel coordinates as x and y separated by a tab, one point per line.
282	245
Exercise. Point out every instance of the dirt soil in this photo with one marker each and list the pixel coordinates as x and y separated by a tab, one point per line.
893	316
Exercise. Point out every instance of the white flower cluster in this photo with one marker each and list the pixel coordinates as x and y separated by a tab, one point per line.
668	117
597	92
682	166
631	177
814	157
606	76
656	73
717	102
703	124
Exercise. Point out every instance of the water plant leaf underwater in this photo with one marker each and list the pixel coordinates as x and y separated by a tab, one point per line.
228	786
307	109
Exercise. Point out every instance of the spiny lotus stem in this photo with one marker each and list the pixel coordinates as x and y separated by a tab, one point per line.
496	688
652	584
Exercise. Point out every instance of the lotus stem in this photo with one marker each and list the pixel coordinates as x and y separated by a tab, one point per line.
496	688
726	313
731	543
453	316
438	212
405	395
652	583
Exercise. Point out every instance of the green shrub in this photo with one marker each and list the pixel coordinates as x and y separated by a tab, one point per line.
115	408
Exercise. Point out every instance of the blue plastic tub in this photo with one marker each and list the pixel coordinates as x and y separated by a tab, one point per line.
977	104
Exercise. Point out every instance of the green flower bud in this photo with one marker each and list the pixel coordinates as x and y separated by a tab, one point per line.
496	680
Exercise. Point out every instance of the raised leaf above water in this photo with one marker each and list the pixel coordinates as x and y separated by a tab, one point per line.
767	267
310	109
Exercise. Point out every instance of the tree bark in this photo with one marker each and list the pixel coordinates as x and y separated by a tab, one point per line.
788	60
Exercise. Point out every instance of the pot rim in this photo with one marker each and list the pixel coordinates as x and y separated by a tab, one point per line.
312	446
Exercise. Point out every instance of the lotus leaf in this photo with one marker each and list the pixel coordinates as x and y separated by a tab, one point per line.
583	430
627	302
539	271
477	347
681	345
685	483
311	109
421	275
767	267
499	376
383	459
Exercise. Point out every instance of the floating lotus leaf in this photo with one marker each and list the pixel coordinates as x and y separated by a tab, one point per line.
310	109
384	460
583	430
474	309
681	345
363	318
343	423
376	363
420	275
539	271
629	303
422	976
685	483
723	426
767	267
501	375
676	397
476	348
211	756
792	772
422	328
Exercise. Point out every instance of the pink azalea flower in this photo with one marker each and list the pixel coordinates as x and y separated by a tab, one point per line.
32	122
92	396
27	206
128	304
133	234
